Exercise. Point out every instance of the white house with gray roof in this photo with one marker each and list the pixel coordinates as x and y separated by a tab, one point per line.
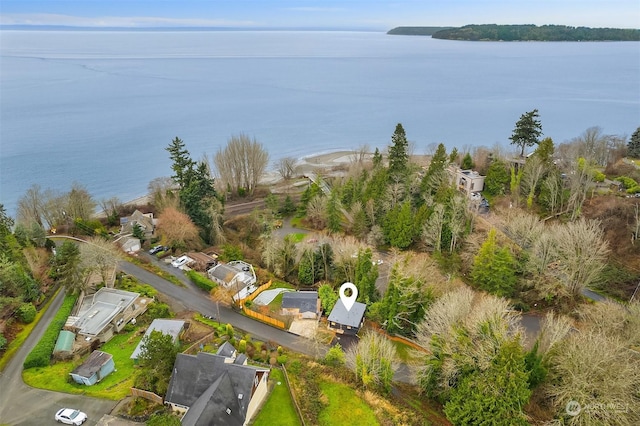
233	274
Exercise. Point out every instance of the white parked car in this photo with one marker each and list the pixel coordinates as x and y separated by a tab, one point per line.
70	416
181	261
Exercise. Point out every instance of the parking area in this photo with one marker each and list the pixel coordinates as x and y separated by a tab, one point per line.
304	327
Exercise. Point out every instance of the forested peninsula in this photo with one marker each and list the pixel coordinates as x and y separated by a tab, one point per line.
493	32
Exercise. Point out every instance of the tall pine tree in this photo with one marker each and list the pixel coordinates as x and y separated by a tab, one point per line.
633	147
398	153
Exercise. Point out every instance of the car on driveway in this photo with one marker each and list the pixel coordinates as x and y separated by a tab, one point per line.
157	249
181	261
70	416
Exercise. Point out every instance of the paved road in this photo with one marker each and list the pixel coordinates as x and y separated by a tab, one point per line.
23	405
197	300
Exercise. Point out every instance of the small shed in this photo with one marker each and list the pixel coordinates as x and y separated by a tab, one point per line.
95	368
64	342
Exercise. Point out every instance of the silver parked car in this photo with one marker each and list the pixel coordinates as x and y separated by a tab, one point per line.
70	416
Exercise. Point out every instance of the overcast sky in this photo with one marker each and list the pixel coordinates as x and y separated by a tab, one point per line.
345	14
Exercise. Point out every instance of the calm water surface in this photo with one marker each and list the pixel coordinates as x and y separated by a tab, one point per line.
99	107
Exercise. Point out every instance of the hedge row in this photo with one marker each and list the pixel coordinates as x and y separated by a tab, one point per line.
202	282
40	355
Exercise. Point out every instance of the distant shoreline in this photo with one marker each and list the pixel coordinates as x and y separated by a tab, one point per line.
306	164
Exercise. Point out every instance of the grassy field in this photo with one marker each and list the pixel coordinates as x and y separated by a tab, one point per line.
279	407
115	386
344	407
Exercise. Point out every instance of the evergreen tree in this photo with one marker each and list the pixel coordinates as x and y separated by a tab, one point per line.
545	150
288	206
182	164
435	176
467	162
334	216
494	268
157	356
328	297
527	131
399	226
377	159
67	266
495	396
398	152
497	178
199	199
633	147
366	274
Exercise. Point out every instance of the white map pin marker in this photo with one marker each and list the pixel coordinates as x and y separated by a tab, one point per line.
348	301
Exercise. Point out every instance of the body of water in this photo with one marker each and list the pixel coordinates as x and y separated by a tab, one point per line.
99	108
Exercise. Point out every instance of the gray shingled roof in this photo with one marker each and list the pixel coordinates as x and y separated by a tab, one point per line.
351	318
226	349
93	364
305	301
197	383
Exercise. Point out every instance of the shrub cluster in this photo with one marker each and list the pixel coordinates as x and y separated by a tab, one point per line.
40	355
26	313
201	281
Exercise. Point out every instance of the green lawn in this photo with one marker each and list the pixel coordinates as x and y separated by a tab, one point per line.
115	386
345	407
279	407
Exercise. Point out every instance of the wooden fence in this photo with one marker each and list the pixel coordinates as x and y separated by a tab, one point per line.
293	396
255	294
263	318
397	338
147	395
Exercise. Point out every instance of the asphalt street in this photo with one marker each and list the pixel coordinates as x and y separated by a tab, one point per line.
192	298
23	405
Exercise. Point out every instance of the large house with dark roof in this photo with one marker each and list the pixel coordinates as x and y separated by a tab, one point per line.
216	389
347	321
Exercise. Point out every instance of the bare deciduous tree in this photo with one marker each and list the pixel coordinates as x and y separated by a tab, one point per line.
523	228
373	359
581	253
30	206
596	367
463	331
317	212
580	179
177	228
161	191
241	163
432	230
80	203
533	171
286	167
100	256
552	186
